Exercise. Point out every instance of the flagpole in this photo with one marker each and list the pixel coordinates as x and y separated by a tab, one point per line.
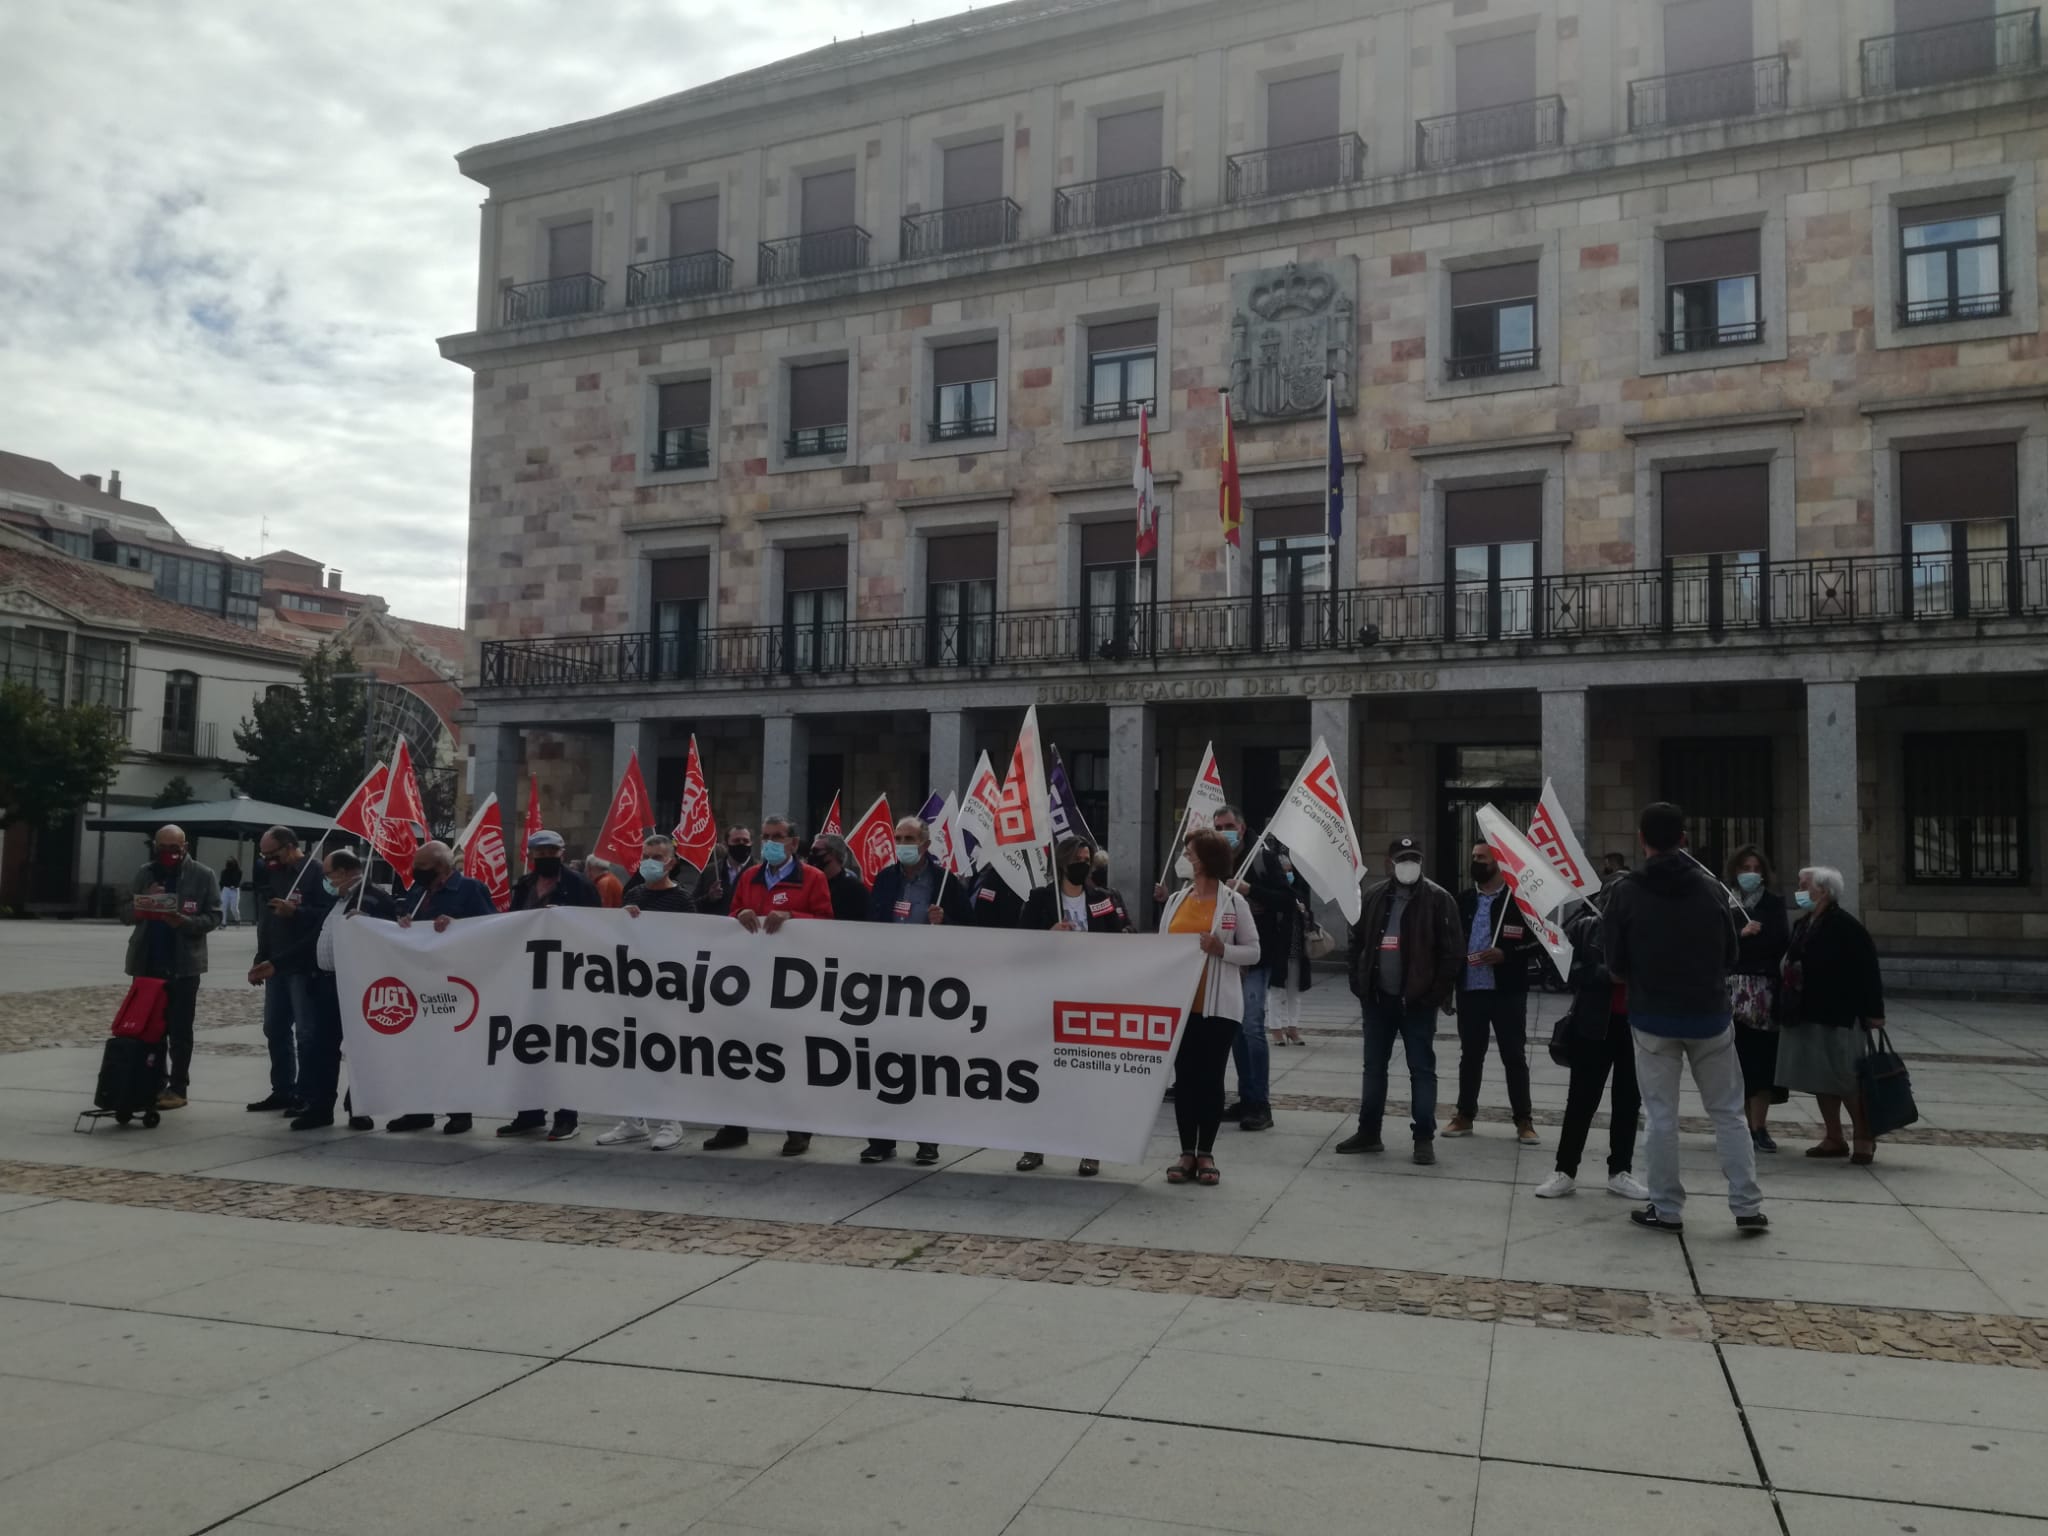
1331	477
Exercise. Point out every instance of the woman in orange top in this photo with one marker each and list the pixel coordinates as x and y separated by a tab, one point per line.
1230	938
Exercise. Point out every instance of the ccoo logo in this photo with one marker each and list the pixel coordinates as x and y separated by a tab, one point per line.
389	1006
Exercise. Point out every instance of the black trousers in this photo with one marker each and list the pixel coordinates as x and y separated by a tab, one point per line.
181	1002
1591	1062
1198	1080
1505	1016
320	1067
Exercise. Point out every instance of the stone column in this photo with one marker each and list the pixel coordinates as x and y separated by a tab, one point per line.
487	300
952	751
1133	805
786	768
498	753
1831	784
1566	748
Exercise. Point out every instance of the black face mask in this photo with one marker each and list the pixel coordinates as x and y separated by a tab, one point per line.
1077	872
739	853
547	869
422	875
1482	873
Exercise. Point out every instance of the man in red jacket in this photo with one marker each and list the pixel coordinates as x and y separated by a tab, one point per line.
768	894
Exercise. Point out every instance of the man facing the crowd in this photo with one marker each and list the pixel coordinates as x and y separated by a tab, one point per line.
913	890
1668	935
179	906
292	906
1405	955
1493	995
652	889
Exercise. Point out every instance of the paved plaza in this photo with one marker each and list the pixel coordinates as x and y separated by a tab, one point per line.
223	1325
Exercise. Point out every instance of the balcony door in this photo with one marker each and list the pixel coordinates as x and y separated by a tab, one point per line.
1491	538
1129	155
814	609
1717	534
1301	133
1960	510
1706	45
1290	578
681	590
960	599
1116	593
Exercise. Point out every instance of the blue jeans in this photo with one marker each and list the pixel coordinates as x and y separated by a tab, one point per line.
320	1047
1415	1026
289	1022
1249	1050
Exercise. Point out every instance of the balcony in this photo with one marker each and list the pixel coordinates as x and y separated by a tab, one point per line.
1097	413
553	298
1313	166
1621	609
970	227
1969	306
814	442
198	740
1962	50
679	277
1705	338
681	448
963	428
1485	365
1704	95
814	255
1116	200
1519	128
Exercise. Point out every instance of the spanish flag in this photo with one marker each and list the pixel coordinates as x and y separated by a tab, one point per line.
1230	497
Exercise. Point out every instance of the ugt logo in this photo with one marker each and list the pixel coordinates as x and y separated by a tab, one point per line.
389	1006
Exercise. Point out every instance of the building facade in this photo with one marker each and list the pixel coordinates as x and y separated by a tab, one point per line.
1690	382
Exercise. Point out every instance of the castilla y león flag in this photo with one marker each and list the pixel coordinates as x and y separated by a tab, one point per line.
1314	824
483	853
1551	834
696	833
626	823
874	840
1540	891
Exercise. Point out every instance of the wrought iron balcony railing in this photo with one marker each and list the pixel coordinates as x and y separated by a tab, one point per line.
1482	365
1116	200
1310	167
1719	598
1489	132
813	442
1705	338
1702	95
814	255
1968	306
681	448
1098	412
552	298
970	227
679	277
1961	50
958	428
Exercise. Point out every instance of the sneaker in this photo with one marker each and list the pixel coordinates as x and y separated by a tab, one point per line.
565	1127
1460	1126
669	1137
1234	1112
927	1153
1557	1186
725	1138
526	1120
1751	1226
310	1121
1525	1133
1260	1119
1360	1143
1648	1217
796	1143
1762	1141
624	1132
1030	1162
410	1123
1425	1153
458	1125
170	1099
878	1151
361	1123
1628	1186
270	1104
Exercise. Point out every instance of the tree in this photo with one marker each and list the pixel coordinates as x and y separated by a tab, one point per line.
53	757
304	747
178	792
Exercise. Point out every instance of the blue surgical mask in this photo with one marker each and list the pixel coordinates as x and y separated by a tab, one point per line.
328	886
773	854
1750	880
652	870
1802	899
1229	834
908	853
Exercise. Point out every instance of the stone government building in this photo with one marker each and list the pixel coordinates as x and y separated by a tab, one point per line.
1694	400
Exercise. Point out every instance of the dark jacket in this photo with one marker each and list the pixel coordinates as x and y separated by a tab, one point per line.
198	893
994	904
1762	953
1432	948
458	896
287	942
1831	973
1273	911
1669	934
374	901
714	889
849	896
1592	984
1106	910
951	896
1511	934
571	890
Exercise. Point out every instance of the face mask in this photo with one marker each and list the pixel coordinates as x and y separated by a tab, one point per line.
422	875
738	852
1184	868
1802	899
1229	835
1750	880
546	867
908	853
170	858
652	870
773	854
1408	872
1077	872
1482	873
1290	877
329	886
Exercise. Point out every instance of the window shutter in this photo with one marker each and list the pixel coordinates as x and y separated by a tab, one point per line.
1494	285
1123	335
687	404
1945	485
1496	71
1719	511
828	201
693	226
1703	258
682	579
1942	213
1302	110
968	363
1111	543
961	557
817	395
1493	514
1127	143
569	250
1296	522
973	173
820	569
1699	34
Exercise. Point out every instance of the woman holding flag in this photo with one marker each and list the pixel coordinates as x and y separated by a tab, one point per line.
1230	938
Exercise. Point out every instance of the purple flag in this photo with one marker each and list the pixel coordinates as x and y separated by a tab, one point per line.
1066	810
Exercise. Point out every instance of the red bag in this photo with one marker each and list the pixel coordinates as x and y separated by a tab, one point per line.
141	1014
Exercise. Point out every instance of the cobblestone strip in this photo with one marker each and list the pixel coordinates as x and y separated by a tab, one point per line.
1979	1338
31	1021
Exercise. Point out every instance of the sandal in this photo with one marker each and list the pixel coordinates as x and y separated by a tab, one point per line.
1828	1149
1206	1172
1864	1159
1183	1170
1090	1167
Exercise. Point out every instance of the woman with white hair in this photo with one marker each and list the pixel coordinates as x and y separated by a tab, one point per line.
1832	993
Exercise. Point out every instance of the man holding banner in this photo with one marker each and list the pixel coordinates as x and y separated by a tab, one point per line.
915	890
287	929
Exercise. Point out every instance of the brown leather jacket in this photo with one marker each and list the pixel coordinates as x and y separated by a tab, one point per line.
1432	950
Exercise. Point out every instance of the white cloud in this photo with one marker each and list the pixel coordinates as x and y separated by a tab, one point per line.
230	231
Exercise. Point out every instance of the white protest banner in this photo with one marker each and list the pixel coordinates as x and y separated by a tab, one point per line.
1551	834
977	1037
1540	891
1314	825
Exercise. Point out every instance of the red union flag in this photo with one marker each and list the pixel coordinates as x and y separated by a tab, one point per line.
1551	834
1540	891
359	814
696	834
1314	823
832	827
533	821
402	792
483	853
627	822
1024	816
874	840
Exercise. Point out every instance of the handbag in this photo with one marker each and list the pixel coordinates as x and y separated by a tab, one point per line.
141	1014
1750	1000
1887	1087
1316	941
1560	1045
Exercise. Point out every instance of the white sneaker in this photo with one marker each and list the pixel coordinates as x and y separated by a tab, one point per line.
1556	1186
670	1135
625	1131
1628	1186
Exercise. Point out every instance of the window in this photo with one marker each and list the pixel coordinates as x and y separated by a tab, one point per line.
1966	808
181	714
1959	508
1708	51
1723	784
1497	112
245	594
964	391
1954	262
1496	72
1493	320
103	674
679	594
1301	133
832	238
1491	535
817	409
1291	577
1117	591
1942	40
1122	364
814	609
960	599
693	225
971	173
1710	284
192	583
70	541
1129	168
570	251
34	657
1716	534
682	425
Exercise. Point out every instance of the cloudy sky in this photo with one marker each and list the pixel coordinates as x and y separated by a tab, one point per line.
230	231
